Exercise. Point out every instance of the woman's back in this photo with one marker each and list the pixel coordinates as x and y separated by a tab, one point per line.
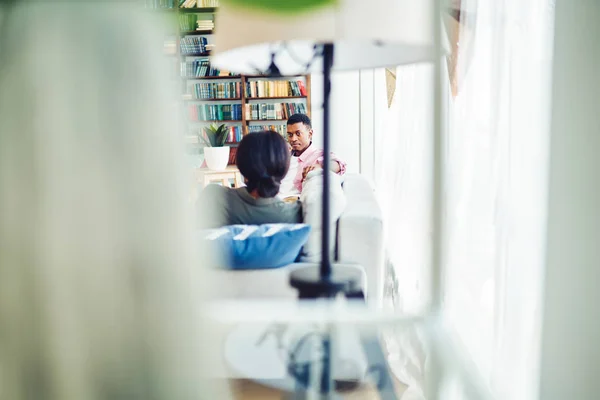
225	206
263	159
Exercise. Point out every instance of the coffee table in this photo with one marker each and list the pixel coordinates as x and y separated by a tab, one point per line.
255	361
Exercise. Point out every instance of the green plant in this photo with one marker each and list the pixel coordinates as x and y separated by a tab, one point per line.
214	136
282	7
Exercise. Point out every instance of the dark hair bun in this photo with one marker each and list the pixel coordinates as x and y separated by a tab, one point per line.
263	158
268	186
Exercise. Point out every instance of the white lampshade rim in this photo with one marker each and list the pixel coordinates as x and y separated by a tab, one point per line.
348	55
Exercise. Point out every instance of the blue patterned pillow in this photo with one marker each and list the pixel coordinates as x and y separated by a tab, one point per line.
258	246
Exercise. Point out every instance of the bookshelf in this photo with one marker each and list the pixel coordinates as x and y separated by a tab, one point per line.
260	102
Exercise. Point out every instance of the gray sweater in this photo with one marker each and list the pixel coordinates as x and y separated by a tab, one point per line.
220	206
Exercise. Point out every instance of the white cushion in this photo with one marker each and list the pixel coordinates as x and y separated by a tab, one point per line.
360	232
312	203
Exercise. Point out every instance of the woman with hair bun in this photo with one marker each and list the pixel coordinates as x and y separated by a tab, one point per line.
263	159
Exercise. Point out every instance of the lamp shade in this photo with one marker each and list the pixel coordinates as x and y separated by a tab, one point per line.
365	33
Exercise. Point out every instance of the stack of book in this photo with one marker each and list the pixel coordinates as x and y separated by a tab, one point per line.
215	112
198	3
193	45
205	25
221	90
281	111
187	3
259	89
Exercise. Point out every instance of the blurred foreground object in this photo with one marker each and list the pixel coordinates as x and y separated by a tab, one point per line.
98	294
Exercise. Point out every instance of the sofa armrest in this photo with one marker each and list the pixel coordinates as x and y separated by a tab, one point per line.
360	233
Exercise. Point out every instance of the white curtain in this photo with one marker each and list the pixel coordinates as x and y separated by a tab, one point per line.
496	150
403	171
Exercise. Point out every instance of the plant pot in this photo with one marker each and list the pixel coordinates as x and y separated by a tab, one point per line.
216	157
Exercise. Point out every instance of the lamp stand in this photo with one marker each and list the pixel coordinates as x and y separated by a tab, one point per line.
326	280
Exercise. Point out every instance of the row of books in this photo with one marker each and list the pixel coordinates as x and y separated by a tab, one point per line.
207	3
159	3
221	90
181	3
281	129
275	88
201	68
262	111
235	133
187	22
228	90
215	112
187	3
193	44
198	3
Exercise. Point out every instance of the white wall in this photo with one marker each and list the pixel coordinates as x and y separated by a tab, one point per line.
571	327
345	116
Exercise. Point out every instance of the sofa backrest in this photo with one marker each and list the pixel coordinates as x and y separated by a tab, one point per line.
360	232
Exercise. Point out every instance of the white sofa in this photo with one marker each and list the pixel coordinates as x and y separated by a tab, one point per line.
359	240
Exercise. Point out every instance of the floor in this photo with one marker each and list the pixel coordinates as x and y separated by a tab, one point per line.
244	389
247	390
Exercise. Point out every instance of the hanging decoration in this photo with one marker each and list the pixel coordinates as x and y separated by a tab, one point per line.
459	22
390	84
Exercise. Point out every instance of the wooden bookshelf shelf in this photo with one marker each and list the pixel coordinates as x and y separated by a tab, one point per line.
266	120
195	33
196	54
187	37
199	10
230	99
273	77
201	78
275	98
209	121
195	10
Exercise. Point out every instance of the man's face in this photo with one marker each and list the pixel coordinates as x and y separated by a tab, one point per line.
299	136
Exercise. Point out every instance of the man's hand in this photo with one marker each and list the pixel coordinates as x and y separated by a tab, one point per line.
334	167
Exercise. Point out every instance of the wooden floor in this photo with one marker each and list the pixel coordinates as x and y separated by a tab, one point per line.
247	390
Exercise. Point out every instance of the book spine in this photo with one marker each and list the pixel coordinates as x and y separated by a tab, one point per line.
302	88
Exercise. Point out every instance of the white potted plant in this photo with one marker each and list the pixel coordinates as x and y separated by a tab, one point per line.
216	154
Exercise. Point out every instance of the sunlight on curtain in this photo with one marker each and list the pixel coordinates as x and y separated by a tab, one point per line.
403	170
496	164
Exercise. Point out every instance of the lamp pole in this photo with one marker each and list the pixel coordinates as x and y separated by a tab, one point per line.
325	221
327	280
